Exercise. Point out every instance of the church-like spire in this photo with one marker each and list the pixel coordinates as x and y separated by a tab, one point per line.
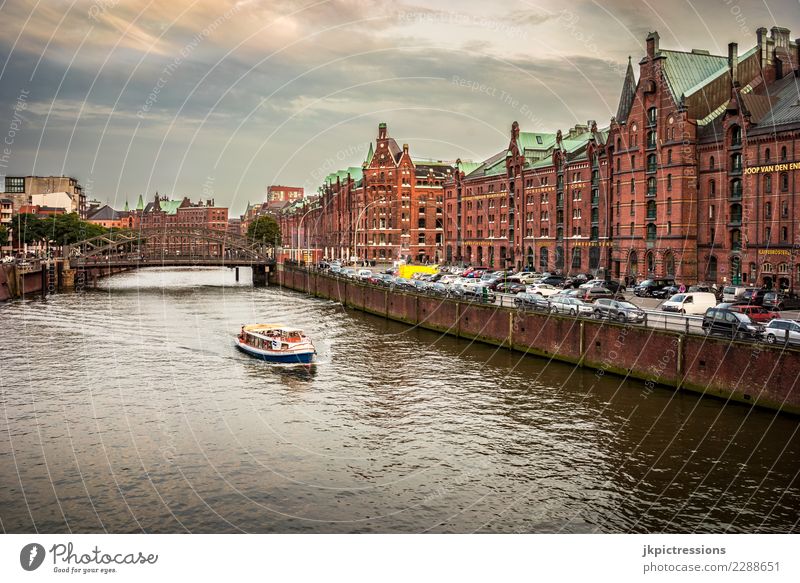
140	204
628	94
369	155
127	208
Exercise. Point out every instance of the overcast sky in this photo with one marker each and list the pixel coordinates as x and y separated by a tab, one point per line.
220	98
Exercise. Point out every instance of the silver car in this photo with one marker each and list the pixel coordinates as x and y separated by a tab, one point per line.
782	331
571	306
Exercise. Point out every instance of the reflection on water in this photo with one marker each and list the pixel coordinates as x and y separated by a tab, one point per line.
128	409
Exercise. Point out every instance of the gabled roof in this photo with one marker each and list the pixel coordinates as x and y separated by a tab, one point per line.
784	99
628	94
535	141
685	73
105	213
489	166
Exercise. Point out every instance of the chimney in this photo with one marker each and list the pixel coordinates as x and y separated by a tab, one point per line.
652	44
733	63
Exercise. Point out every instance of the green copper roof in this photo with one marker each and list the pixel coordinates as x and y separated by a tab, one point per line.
140	204
684	71
126	206
170	206
370	154
535	141
467	167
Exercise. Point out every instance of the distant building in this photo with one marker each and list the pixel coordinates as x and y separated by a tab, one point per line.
61	192
107	217
284	193
6	210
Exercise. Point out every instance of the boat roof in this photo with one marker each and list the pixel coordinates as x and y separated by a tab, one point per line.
268	327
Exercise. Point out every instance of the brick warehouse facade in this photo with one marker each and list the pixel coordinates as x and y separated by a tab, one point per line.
696	177
390	208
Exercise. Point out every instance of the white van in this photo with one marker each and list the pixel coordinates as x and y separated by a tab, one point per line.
690	303
733	293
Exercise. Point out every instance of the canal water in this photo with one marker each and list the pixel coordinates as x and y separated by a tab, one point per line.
127	409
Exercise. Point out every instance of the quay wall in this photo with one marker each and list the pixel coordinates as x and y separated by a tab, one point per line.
754	374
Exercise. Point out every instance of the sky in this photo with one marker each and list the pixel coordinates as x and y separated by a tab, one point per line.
221	98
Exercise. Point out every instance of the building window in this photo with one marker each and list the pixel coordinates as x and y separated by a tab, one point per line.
785	209
767	210
767	155
633	226
651	232
784	182
736	136
712	188
783	153
576	258
633	186
633	211
712	164
652	164
669	181
652	115
767	234
767	183
669	156
736	162
784	234
669	206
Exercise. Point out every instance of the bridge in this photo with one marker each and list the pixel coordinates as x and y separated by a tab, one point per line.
175	246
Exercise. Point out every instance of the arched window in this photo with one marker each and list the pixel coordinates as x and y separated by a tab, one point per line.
712	188
651	139
669	181
650	259
767	155
633	186
736	135
651	232
669	264
767	183
480	255
633	209
651	186
736	162
766	267
783	153
736	213
783	268
530	258
784	182
544	256
651	163
652	115
669	156
712	164
633	263
469	253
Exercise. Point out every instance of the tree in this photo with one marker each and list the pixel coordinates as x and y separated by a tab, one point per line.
264	230
63	229
3	236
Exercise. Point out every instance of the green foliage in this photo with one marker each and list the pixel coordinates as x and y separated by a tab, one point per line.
57	229
264	230
3	236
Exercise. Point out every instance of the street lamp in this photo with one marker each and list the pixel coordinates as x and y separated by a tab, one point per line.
358	222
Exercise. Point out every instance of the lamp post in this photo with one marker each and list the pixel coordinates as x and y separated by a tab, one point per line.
358	222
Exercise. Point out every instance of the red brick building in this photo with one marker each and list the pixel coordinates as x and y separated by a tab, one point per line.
695	177
392	207
278	193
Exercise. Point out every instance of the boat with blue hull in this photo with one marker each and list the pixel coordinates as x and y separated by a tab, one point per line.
276	343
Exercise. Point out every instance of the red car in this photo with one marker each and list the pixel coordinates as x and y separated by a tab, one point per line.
756	313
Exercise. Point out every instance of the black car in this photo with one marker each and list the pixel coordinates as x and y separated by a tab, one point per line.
777	301
510	287
577	280
753	297
666	292
616	310
648	286
554	280
731	324
528	301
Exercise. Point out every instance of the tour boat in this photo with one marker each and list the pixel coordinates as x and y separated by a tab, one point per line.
276	343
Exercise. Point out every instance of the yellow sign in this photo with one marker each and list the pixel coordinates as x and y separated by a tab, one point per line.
773	252
773	168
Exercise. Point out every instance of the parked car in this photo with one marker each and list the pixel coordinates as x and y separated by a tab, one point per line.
690	303
618	310
777	301
402	284
700	287
733	293
571	306
611	284
364	274
666	292
756	313
347	272
555	280
577	280
648	286
730	323
530	301
595	293
753	297
438	289
782	331
478	293
543	289
510	287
